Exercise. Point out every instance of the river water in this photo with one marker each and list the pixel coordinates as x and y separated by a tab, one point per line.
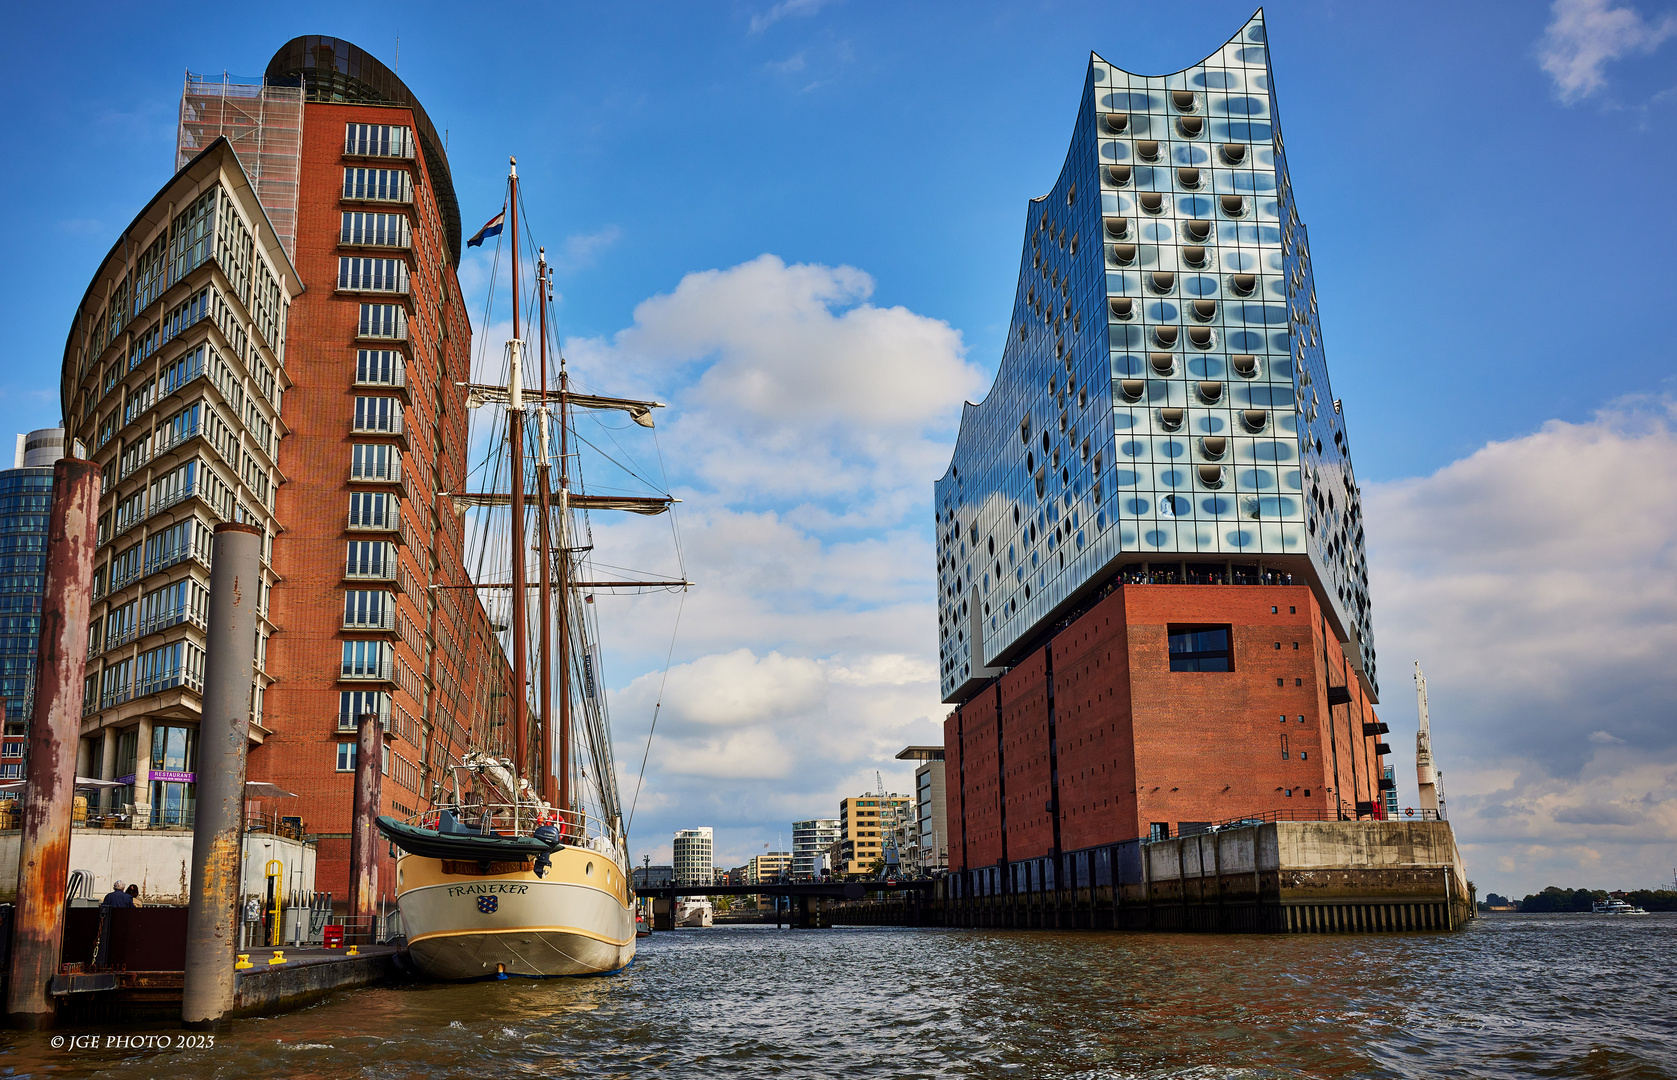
1509	996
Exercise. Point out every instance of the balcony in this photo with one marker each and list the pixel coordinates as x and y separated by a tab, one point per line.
111	698
166	559
353	723
385	620
375	472
390	426
176	497
168	680
385	571
398	382
13	748
162	620
388	519
171	437
131	462
381	670
120	638
126	576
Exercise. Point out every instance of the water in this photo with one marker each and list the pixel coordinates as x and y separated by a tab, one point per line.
1510	996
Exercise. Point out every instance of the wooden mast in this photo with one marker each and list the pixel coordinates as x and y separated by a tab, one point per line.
515	438
544	489
564	587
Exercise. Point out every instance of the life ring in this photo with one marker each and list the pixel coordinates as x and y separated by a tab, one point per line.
1409	811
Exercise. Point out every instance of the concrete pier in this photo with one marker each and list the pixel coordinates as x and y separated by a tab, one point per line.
1286	877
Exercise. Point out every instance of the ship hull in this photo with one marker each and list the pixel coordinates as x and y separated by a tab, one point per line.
578	919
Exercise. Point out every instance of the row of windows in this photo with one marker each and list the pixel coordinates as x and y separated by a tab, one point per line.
179	663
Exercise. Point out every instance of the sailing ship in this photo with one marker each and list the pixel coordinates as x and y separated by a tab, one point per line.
520	866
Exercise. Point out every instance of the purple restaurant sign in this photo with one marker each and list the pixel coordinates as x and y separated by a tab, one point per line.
159	774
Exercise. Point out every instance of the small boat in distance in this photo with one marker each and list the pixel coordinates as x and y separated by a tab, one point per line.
694	911
1616	905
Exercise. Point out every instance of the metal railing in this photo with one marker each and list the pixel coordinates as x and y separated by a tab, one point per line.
170	437
376	472
162	620
382	670
1322	813
167	559
351	723
521	819
179	495
385	620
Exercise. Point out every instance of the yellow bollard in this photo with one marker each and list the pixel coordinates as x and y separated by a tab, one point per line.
278	957
244	962
353	950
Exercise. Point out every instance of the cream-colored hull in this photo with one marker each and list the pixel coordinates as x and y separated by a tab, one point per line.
577	920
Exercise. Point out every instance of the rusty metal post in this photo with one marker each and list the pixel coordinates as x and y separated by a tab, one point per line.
363	834
43	871
212	912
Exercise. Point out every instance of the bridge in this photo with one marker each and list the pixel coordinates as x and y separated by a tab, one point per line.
806	899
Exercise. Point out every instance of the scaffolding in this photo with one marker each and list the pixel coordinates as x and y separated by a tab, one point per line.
264	124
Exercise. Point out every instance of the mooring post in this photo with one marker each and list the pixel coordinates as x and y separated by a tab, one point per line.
43	866
212	906
363	834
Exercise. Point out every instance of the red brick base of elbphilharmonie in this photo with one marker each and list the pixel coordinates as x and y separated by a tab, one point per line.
1092	740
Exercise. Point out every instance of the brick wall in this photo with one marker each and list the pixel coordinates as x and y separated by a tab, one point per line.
1135	743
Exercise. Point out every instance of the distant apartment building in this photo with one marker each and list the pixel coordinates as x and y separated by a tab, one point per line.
654	877
767	868
865	821
303	255
25	504
694	859
1388	792
925	846
810	840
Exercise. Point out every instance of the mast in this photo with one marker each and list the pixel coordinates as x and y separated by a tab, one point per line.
544	488
564	586
515	437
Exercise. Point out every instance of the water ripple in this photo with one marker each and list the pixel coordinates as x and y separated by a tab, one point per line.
1511	996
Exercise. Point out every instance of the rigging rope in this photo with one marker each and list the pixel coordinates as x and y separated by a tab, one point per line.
655	708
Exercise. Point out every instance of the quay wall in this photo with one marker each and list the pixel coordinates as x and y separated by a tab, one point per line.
1275	877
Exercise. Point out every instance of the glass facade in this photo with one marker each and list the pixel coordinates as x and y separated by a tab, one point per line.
1162	397
25	504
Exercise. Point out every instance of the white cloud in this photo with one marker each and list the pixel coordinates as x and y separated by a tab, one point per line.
1536	580
801	390
785	9
806	426
1585	35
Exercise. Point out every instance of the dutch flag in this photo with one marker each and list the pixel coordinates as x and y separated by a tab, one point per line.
493	228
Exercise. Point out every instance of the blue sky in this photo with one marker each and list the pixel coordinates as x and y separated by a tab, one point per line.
822	202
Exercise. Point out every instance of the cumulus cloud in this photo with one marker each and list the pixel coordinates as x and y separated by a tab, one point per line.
1585	35
806	426
1537	582
795	389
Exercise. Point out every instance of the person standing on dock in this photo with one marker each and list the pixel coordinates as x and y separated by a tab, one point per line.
117	897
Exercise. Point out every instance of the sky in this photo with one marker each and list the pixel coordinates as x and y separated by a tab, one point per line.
799	224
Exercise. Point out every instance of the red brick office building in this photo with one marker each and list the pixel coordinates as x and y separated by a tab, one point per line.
280	338
372	612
